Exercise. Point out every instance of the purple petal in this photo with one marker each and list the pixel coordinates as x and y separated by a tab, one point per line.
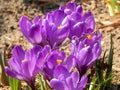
25	70
25	25
18	53
75	77
61	70
36	19
76	17
70	83
70	63
70	7
9	72
89	20
82	56
56	84
15	65
30	63
12	74
79	9
59	17
42	56
35	34
82	82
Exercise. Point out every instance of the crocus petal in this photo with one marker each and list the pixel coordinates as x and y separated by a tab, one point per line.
70	83
75	77
18	53
79	9
59	17
35	34
42	56
36	19
61	70
15	65
56	84
89	20
31	63
70	63
82	55
25	25
83	82
70	6
9	72
25	70
12	74
76	17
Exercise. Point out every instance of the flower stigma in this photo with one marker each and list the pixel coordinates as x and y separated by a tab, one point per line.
89	37
59	61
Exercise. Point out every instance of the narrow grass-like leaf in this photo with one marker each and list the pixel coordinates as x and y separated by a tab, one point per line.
110	62
93	84
4	78
42	82
14	83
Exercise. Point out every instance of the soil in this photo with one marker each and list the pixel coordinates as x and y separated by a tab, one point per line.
12	10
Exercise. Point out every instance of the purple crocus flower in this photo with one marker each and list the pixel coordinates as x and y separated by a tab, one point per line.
33	31
57	27
24	65
80	23
86	50
55	59
64	80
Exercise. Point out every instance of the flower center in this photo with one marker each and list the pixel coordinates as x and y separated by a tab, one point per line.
89	37
23	61
59	27
59	61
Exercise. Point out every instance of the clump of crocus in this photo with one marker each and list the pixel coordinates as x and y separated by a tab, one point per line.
48	33
25	65
64	80
86	49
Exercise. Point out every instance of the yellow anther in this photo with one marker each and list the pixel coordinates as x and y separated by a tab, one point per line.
59	27
23	61
89	37
59	61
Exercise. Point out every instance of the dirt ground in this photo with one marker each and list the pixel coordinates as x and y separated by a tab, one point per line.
12	10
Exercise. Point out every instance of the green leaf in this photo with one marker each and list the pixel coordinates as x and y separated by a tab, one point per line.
14	83
4	78
110	63
42	82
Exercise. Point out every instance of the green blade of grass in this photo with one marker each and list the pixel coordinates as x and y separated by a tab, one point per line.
42	82
110	62
14	83
4	78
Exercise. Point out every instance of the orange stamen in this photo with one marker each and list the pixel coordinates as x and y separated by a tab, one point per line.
59	61
89	37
